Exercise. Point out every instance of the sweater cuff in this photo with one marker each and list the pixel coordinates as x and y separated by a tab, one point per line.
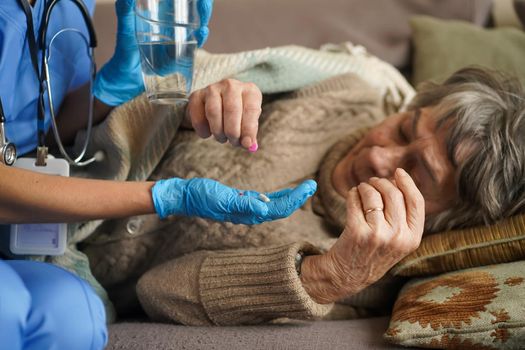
251	286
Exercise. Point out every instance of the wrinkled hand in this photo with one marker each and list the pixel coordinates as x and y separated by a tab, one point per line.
120	79
229	110
371	243
210	199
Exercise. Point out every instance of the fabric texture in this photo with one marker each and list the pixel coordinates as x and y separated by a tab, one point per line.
471	247
289	68
244	286
250	276
480	308
442	47
136	135
333	335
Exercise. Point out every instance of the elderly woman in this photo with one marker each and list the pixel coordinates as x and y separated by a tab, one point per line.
454	158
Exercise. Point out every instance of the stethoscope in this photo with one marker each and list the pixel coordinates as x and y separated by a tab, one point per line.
7	149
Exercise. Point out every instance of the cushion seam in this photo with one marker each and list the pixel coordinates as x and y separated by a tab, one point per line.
460	331
456	250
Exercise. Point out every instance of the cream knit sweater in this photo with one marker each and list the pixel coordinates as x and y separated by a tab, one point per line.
199	272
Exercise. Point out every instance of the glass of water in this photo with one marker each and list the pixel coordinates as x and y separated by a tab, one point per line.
165	35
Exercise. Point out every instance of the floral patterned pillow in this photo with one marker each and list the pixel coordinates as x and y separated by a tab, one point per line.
479	308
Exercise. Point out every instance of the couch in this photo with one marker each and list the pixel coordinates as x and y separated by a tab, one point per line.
237	25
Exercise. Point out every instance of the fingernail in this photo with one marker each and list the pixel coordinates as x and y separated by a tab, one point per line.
253	148
401	172
246	141
221	139
312	184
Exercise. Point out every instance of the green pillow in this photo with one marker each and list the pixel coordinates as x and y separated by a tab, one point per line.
443	46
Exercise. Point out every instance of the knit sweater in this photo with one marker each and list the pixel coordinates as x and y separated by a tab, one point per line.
136	135
198	272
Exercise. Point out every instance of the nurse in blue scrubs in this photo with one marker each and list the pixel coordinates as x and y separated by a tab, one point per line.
43	306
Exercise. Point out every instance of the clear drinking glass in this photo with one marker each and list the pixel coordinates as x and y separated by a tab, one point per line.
165	35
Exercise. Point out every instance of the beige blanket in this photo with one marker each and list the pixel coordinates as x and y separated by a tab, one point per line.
136	135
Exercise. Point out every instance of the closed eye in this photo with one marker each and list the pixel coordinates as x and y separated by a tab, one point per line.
402	136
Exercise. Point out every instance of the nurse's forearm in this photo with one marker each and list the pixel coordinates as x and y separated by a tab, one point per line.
31	197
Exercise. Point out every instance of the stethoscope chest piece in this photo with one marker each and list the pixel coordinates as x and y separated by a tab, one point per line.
8	152
7	149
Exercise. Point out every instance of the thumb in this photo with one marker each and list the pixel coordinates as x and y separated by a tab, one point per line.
126	41
201	35
125	11
204	7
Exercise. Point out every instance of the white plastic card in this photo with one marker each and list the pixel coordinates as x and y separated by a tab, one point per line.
40	239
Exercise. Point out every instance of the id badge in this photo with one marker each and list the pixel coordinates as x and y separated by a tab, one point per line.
40	239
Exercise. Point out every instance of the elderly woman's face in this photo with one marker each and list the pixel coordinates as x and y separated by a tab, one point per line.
408	140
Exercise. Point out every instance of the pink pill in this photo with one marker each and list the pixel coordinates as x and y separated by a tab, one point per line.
253	148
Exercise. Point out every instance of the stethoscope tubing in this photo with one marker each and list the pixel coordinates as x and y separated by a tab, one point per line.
78	160
44	77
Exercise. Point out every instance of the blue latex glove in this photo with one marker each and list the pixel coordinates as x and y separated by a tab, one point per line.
120	79
204	7
210	199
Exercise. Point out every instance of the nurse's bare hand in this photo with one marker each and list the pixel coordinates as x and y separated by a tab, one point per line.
373	240
229	110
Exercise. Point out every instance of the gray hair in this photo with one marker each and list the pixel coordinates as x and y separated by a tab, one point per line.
486	143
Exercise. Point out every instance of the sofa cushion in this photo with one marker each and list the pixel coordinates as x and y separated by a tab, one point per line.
480	308
443	46
348	335
238	25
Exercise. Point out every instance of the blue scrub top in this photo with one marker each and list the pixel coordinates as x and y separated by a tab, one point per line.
69	66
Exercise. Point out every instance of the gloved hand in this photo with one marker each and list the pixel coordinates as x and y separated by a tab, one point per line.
210	199
204	7
120	79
